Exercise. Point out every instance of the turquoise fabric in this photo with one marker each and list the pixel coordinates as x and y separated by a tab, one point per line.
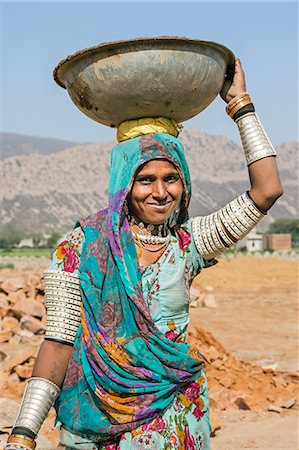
166	284
124	370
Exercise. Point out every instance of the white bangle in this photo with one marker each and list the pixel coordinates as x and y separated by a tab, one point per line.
255	141
212	233
39	395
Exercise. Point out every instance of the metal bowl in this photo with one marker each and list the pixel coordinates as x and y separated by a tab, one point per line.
164	76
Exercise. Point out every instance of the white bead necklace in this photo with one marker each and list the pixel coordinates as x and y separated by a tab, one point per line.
151	239
163	235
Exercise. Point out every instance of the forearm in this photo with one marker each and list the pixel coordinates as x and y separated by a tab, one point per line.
63	301
266	187
261	160
52	361
43	387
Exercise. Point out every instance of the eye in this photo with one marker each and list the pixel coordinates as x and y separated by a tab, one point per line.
145	180
171	178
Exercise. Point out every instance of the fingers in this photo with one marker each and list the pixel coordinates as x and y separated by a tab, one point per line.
238	66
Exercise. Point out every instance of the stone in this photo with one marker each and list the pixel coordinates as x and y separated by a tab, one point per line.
15	340
279	382
12	285
14	385
215	422
209	289
288	403
29	306
217	363
193	304
220	398
194	293
5	335
23	371
10	323
242	404
25	333
274	408
209	301
3	303
2	356
15	297
18	358
213	353
226	381
8	411
32	324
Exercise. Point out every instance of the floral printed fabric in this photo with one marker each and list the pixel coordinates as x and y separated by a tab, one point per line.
67	255
123	376
185	424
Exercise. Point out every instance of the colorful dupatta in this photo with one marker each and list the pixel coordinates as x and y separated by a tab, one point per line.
123	370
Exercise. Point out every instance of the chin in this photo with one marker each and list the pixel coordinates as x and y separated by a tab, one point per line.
156	219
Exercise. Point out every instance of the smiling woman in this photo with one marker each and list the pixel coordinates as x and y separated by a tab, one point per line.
156	192
115	359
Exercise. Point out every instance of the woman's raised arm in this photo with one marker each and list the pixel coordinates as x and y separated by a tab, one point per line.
266	187
222	229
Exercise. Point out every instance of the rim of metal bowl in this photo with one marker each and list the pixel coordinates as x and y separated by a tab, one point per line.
115	46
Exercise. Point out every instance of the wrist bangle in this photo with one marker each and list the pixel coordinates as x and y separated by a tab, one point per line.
22	440
40	394
244	110
24	431
237	103
255	141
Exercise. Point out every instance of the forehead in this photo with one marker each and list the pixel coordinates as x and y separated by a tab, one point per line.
157	166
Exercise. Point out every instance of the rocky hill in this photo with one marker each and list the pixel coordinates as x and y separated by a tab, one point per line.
12	144
45	191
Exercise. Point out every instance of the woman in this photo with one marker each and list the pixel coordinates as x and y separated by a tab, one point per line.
115	356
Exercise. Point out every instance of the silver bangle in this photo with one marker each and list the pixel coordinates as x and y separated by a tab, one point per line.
222	232
211	233
40	394
229	224
215	235
63	303
204	236
206	221
255	141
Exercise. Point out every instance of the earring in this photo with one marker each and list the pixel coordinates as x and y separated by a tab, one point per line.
126	208
172	221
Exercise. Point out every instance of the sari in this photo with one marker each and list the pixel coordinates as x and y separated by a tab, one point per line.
122	376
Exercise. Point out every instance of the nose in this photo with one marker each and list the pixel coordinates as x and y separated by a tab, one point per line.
159	190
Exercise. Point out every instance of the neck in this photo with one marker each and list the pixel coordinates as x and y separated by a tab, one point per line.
161	229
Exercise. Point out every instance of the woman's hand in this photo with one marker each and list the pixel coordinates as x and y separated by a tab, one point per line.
235	87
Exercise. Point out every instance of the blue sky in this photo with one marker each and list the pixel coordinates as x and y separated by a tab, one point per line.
35	36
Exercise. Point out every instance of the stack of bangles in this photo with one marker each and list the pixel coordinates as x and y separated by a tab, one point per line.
20	441
239	106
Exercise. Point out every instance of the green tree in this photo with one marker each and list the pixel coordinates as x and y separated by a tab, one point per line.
53	239
286	226
10	236
37	240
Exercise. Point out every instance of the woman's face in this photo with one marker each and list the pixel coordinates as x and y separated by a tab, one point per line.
157	191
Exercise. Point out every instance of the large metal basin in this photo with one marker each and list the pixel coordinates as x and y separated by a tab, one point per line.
146	77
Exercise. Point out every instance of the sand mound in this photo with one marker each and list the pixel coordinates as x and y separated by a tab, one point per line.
238	384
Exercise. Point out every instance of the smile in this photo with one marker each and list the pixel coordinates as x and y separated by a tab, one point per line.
159	207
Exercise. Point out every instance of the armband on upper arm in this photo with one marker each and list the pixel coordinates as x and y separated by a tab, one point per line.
63	303
218	231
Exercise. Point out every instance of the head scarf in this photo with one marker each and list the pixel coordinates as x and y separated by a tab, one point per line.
123	370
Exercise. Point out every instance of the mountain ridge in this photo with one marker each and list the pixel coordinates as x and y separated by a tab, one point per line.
51	191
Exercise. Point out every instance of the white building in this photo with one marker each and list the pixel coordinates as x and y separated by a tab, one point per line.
254	242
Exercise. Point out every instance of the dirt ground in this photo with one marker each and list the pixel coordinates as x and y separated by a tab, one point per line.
256	319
